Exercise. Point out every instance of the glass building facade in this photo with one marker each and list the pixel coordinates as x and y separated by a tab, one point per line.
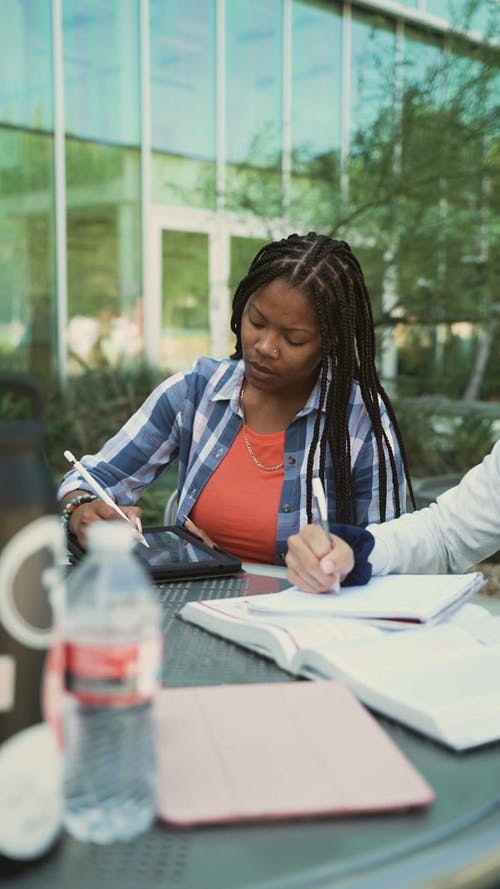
149	147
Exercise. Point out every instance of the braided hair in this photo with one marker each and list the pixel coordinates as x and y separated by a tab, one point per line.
328	272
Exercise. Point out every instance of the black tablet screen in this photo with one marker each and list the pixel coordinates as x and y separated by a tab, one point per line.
174	552
165	546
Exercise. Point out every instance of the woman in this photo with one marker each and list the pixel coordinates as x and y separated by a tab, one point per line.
299	397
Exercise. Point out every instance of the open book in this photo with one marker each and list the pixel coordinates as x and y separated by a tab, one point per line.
414	598
441	680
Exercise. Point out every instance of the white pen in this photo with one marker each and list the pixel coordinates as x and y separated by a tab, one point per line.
322	514
101	493
320	504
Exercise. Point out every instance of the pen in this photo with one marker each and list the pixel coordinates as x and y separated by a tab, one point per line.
322	515
320	504
101	493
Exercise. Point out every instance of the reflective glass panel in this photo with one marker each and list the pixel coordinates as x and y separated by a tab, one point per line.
185	333
254	105
421	225
422	61
372	74
479	16
101	83
315	121
372	121
243	251
183	114
101	77
27	286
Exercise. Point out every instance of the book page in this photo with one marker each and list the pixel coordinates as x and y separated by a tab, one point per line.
394	653
440	681
229	618
280	637
458	703
478	621
324	633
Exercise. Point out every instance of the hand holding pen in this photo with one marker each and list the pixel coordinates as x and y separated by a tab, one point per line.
319	501
104	496
318	560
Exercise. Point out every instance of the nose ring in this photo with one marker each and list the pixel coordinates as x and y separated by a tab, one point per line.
275	351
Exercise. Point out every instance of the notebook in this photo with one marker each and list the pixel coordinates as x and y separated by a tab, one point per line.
389	600
283	750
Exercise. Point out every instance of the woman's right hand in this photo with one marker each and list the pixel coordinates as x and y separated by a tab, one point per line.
315	564
96	511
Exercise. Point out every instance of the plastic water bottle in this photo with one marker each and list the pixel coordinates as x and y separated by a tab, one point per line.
113	647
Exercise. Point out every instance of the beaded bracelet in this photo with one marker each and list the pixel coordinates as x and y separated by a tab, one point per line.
73	504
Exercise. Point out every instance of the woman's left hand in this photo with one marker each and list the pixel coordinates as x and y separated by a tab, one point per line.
315	566
193	529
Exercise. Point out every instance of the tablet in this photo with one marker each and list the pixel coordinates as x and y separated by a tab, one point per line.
174	553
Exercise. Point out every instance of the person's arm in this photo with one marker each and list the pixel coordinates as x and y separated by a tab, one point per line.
139	451
459	530
127	462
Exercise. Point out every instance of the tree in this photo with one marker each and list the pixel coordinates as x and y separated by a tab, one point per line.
420	207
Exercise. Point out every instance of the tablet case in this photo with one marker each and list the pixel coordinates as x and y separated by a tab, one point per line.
217	563
281	750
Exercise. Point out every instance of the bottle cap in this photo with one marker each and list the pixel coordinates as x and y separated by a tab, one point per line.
110	535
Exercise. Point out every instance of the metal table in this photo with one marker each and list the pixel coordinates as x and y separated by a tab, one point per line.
456	841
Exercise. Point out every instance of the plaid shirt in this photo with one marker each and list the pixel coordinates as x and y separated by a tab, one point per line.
192	419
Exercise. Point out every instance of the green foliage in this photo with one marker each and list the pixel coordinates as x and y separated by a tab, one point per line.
85	414
91	408
430	365
91	162
438	443
185	280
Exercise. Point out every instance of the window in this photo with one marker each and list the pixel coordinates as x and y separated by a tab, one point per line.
254	106
316	90
183	116
101	85
185	298
27	286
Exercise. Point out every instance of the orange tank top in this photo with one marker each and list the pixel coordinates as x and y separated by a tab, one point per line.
238	507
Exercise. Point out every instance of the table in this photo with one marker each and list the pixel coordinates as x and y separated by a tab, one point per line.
456	841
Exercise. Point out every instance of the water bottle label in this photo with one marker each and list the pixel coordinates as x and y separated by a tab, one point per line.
53	686
113	674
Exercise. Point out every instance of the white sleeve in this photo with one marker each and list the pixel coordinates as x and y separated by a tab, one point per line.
460	529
